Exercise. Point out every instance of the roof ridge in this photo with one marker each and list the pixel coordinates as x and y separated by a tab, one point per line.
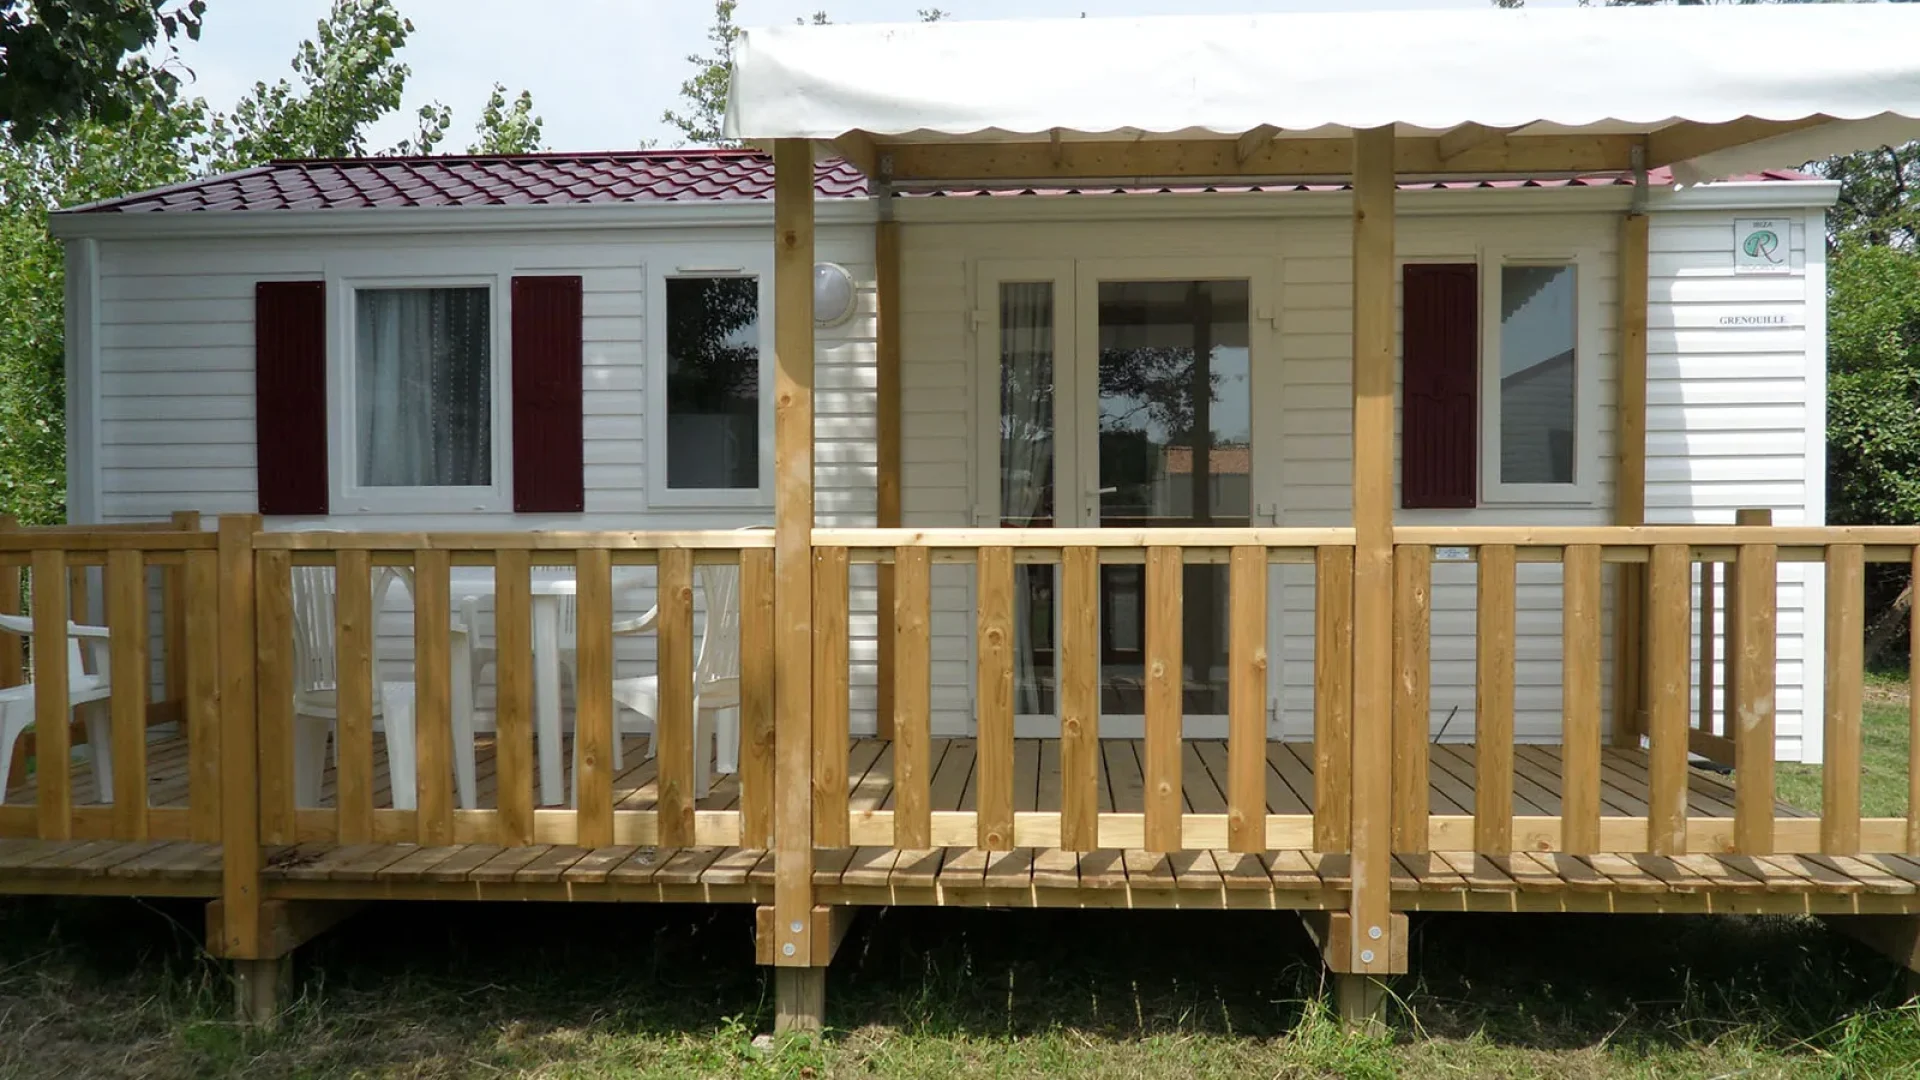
644	154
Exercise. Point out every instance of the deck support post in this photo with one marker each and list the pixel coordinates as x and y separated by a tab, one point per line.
261	989
1372	944
799	1000
793	194
1630	482
240	932
1360	1003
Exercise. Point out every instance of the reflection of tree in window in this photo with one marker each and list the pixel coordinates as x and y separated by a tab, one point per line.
713	383
1537	368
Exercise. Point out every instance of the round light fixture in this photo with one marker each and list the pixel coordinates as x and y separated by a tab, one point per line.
834	295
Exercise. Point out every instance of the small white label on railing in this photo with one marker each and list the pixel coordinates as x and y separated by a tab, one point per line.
1453	554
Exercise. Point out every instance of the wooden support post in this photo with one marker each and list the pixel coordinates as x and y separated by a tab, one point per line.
1630	481
285	925
803	992
1373	378
1360	1001
799	999
261	989
239	763
886	388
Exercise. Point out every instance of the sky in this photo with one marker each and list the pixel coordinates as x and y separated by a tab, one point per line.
601	71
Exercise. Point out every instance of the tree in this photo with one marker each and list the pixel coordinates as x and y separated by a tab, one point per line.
705	94
507	128
349	78
63	61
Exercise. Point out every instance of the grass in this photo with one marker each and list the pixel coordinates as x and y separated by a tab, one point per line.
117	988
1883	756
100	988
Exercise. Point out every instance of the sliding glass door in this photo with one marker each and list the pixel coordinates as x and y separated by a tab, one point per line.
1125	399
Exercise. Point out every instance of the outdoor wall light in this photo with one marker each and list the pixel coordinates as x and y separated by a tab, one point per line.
834	295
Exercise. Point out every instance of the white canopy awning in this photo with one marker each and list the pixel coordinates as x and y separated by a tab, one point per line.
1846	76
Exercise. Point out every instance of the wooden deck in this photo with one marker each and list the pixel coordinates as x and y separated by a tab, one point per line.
1023	878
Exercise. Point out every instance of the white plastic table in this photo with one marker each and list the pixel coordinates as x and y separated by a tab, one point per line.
550	583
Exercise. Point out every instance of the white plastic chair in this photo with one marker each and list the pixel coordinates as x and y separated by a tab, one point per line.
716	679
84	688
316	683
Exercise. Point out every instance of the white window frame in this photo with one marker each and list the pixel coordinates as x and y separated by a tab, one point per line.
1587	466
706	261
348	495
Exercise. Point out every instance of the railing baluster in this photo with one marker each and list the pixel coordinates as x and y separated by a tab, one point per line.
127	652
1247	699
912	698
274	665
1751	711
433	689
1079	666
675	726
354	637
1840	778
50	714
994	700
1670	628
1580	700
1412	693
513	694
173	608
756	697
200	706
1332	698
1165	690
1493	702
593	731
830	730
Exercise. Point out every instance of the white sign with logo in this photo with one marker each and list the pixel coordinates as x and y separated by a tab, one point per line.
1762	246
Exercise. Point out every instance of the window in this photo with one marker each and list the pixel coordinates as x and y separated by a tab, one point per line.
423	388
1538	392
1539	388
709	359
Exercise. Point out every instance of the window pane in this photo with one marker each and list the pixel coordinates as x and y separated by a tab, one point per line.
423	387
713	383
1537	363
1026	476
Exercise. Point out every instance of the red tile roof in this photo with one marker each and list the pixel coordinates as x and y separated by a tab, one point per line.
633	177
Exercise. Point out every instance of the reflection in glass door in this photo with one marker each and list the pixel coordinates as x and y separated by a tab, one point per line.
1174	401
1027	464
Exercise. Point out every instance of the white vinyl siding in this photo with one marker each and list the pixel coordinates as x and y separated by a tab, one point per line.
176	395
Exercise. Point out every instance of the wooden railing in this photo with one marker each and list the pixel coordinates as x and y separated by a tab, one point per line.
1077	823
1752	555
133	563
594	817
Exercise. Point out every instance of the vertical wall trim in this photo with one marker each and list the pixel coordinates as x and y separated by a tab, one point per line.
83	381
886	384
1630	476
1813	685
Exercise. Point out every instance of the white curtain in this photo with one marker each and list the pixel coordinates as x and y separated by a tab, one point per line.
423	380
1026	461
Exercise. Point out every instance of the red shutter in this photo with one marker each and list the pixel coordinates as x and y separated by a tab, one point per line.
1440	385
290	396
548	470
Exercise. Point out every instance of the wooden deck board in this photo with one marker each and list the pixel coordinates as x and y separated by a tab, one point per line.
1025	875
